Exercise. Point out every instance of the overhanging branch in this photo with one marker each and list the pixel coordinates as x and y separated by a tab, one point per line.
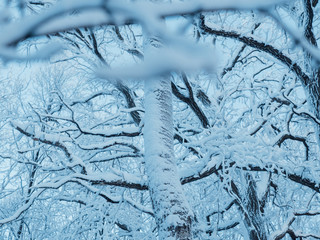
250	41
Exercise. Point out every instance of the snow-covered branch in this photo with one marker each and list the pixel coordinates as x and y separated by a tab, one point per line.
250	41
51	139
23	208
119	12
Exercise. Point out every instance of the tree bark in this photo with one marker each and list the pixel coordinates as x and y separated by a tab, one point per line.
253	219
172	212
313	86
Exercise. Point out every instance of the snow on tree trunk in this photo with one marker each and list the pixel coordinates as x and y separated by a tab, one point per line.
253	219
172	211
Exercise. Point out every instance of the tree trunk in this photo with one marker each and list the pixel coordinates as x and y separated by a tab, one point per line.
313	90
249	204
253	219
312	68
172	212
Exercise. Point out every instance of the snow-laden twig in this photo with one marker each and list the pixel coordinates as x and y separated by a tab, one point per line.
51	139
277	235
23	208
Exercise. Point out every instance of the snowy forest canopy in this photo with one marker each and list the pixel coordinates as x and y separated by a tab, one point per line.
154	119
